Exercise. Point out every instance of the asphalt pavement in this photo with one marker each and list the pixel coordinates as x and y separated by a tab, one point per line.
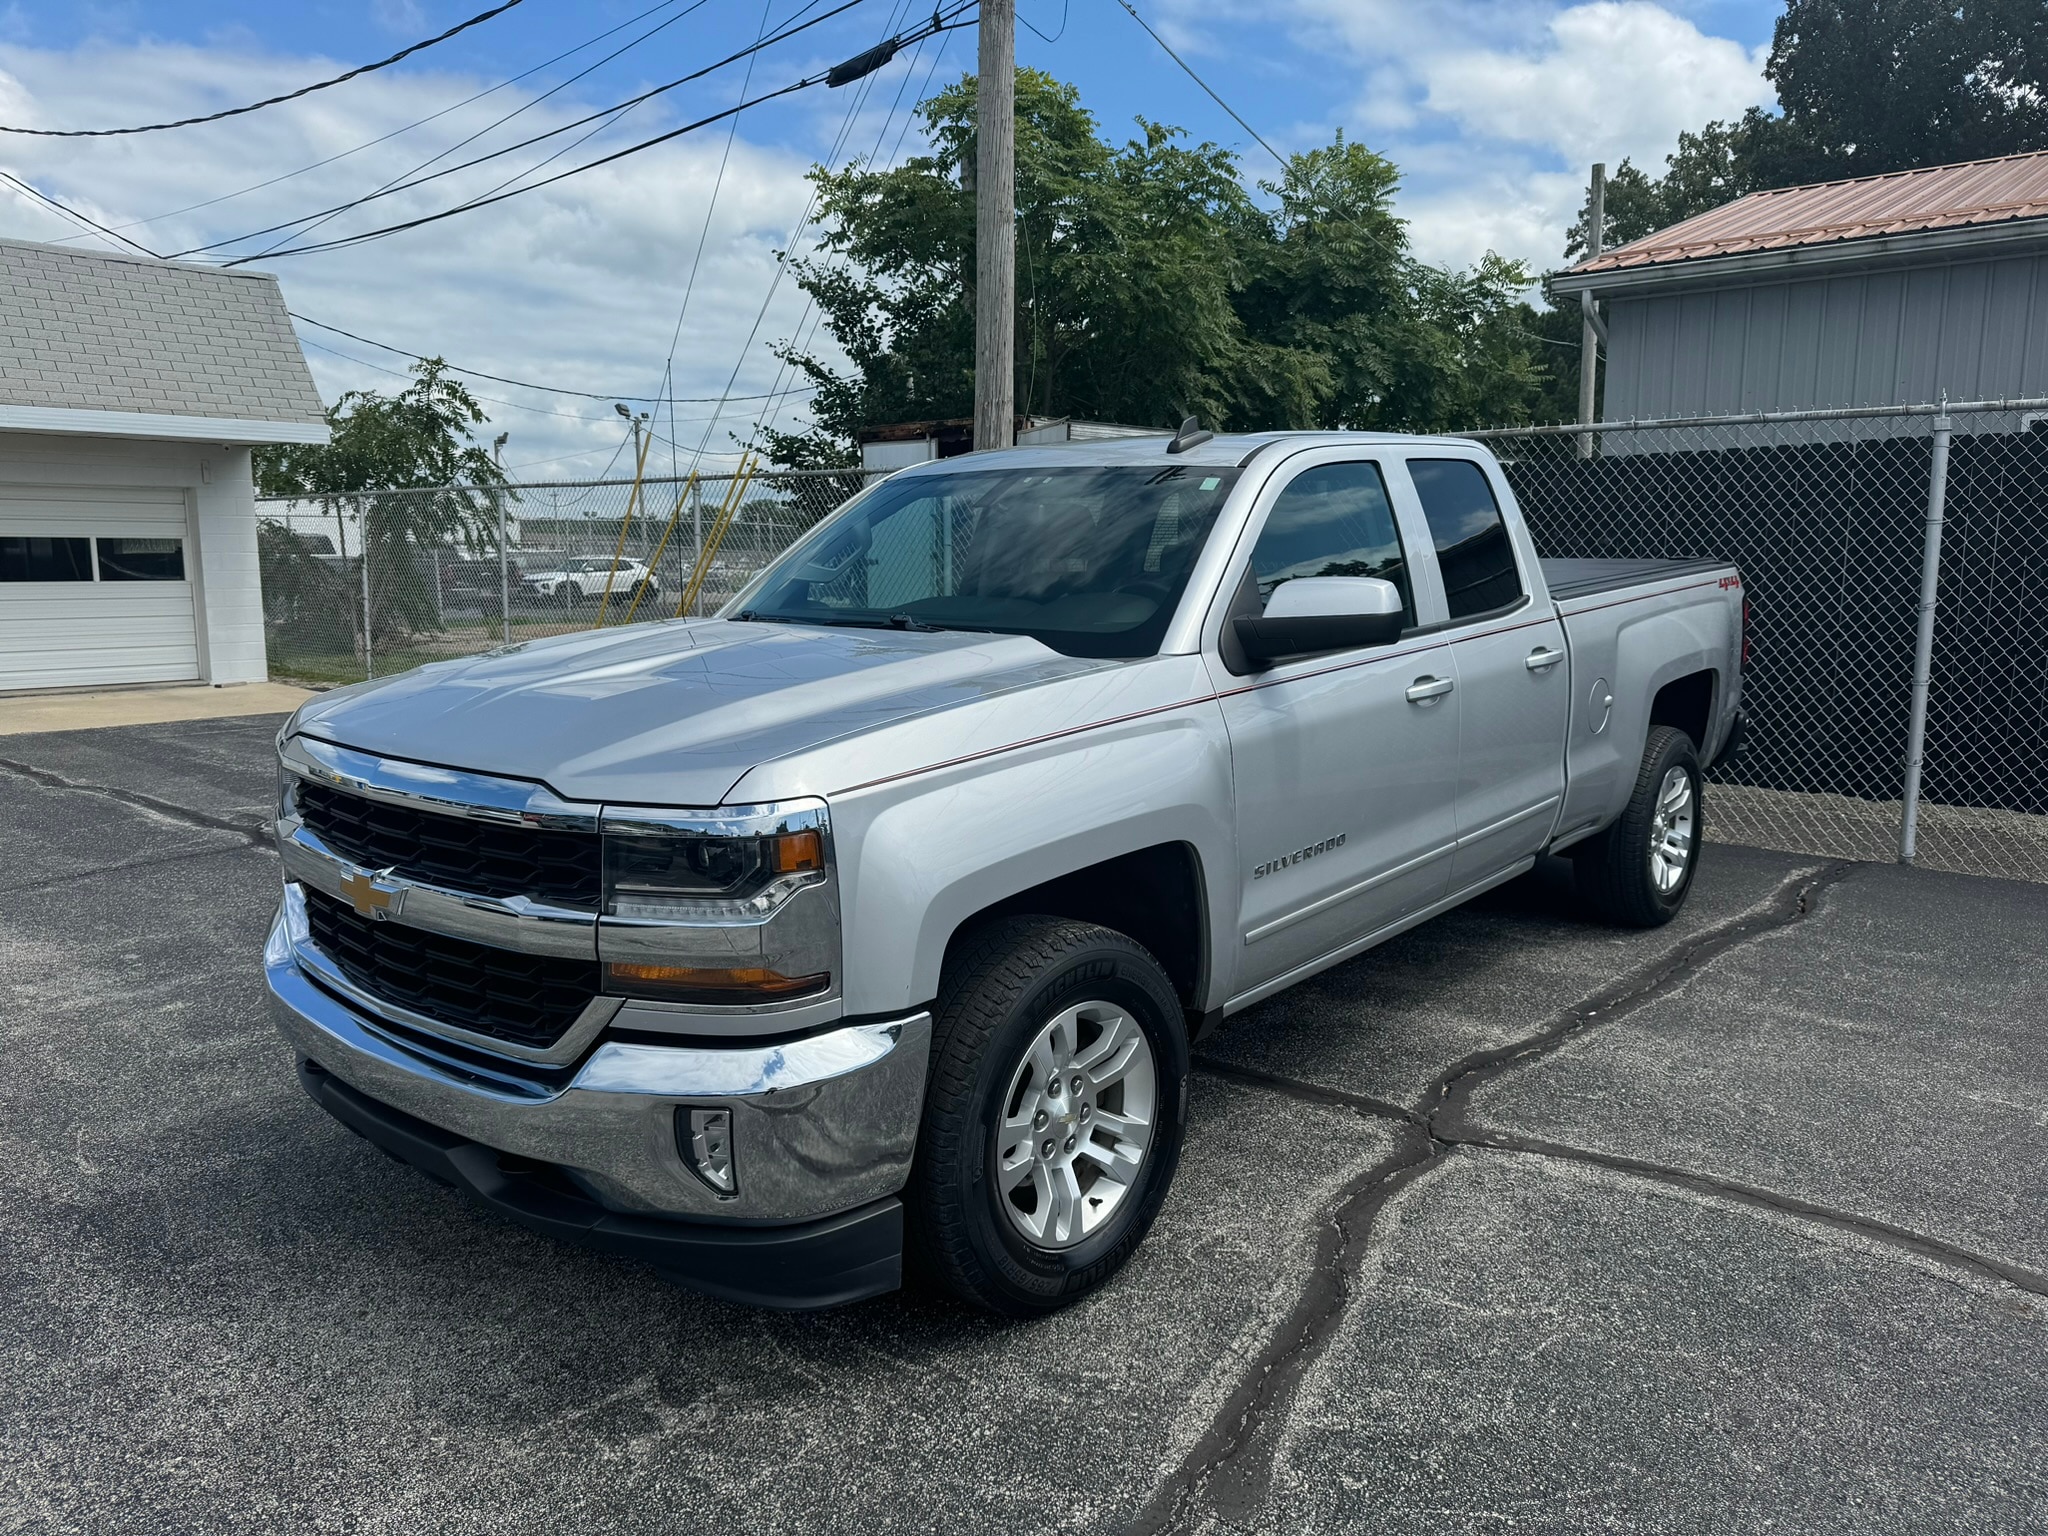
1516	1224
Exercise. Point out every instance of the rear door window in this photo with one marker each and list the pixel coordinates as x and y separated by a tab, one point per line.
1471	536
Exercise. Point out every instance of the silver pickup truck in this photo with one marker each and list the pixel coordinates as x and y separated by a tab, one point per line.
869	924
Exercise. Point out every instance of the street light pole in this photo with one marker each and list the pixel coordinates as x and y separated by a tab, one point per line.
995	228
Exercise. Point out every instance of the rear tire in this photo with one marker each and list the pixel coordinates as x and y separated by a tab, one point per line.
1636	874
1028	1194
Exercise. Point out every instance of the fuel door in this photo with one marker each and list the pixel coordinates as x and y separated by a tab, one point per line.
1599	707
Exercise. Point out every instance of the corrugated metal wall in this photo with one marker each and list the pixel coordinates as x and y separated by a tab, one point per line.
1975	329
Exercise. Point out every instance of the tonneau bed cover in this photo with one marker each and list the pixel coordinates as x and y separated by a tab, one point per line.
1569	579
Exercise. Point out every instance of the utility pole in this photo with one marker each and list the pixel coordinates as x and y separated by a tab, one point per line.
995	228
1589	339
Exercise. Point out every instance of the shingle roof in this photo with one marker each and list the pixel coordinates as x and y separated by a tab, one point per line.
88	330
1904	202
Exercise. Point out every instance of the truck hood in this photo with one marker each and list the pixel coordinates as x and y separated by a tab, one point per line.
689	706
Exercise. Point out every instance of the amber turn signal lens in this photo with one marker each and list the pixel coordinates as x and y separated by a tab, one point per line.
794	852
702	984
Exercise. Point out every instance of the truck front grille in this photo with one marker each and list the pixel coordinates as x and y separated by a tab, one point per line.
528	1000
564	869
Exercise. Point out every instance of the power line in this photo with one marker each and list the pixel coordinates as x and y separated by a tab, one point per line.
498	378
764	420
95	227
668	369
1064	5
1183	63
92	225
257	106
938	23
323	214
490	90
782	264
525	106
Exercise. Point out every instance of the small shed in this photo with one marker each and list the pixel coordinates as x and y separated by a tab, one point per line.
1883	290
131	393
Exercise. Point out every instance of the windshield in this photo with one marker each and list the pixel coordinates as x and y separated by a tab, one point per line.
1089	561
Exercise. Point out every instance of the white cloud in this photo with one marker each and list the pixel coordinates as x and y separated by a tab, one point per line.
575	285
1613	78
1493	109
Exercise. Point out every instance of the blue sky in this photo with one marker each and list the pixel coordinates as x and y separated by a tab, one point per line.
1492	108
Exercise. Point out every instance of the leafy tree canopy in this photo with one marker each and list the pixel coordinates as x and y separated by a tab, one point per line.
421	439
421	436
1152	283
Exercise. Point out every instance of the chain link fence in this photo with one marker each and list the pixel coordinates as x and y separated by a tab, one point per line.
1839	519
455	570
1843	522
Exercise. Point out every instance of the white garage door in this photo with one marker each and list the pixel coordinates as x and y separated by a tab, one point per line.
95	587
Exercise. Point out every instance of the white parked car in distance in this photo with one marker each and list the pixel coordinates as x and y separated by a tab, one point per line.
581	579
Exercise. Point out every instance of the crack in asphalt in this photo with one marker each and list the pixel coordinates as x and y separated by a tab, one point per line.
101	871
1228	1471
253	830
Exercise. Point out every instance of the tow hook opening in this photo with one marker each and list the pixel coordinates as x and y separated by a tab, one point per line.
704	1138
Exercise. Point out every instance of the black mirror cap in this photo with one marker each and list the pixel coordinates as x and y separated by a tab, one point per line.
1266	641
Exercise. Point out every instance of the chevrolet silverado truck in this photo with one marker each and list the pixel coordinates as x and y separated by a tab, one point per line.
866	926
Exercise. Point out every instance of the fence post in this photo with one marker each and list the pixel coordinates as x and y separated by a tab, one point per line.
696	535
363	549
1589	339
1923	642
504	573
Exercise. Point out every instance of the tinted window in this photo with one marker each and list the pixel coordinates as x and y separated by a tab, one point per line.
34	559
142	559
1334	520
1089	561
1470	535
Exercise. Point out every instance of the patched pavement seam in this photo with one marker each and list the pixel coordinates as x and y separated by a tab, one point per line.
255	830
1229	1468
1882	1232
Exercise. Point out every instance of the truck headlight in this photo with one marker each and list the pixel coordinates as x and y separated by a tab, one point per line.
729	907
689	875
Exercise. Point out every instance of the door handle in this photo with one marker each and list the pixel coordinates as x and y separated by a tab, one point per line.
1427	690
1542	659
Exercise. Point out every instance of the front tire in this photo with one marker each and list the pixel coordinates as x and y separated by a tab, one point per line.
1053	1114
1636	874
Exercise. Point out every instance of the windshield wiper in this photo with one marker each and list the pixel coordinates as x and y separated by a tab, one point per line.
899	621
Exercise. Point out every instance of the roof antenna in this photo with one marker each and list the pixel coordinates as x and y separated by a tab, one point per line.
1189	436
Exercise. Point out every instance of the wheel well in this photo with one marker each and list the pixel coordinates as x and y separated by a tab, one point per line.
1687	703
1153	895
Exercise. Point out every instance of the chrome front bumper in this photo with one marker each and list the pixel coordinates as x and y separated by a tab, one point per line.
820	1124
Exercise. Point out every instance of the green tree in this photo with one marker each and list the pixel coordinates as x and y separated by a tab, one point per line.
422	440
1151	284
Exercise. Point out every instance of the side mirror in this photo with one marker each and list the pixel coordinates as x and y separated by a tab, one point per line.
1322	613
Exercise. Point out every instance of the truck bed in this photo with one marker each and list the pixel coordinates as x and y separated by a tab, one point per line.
1572	579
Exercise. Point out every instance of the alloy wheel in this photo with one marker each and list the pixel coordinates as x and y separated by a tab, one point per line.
1671	831
1077	1122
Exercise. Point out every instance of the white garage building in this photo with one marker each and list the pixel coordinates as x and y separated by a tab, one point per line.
131	393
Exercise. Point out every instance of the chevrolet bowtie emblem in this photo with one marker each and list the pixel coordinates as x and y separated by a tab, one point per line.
371	896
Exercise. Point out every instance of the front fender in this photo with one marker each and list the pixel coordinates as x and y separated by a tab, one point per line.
922	855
